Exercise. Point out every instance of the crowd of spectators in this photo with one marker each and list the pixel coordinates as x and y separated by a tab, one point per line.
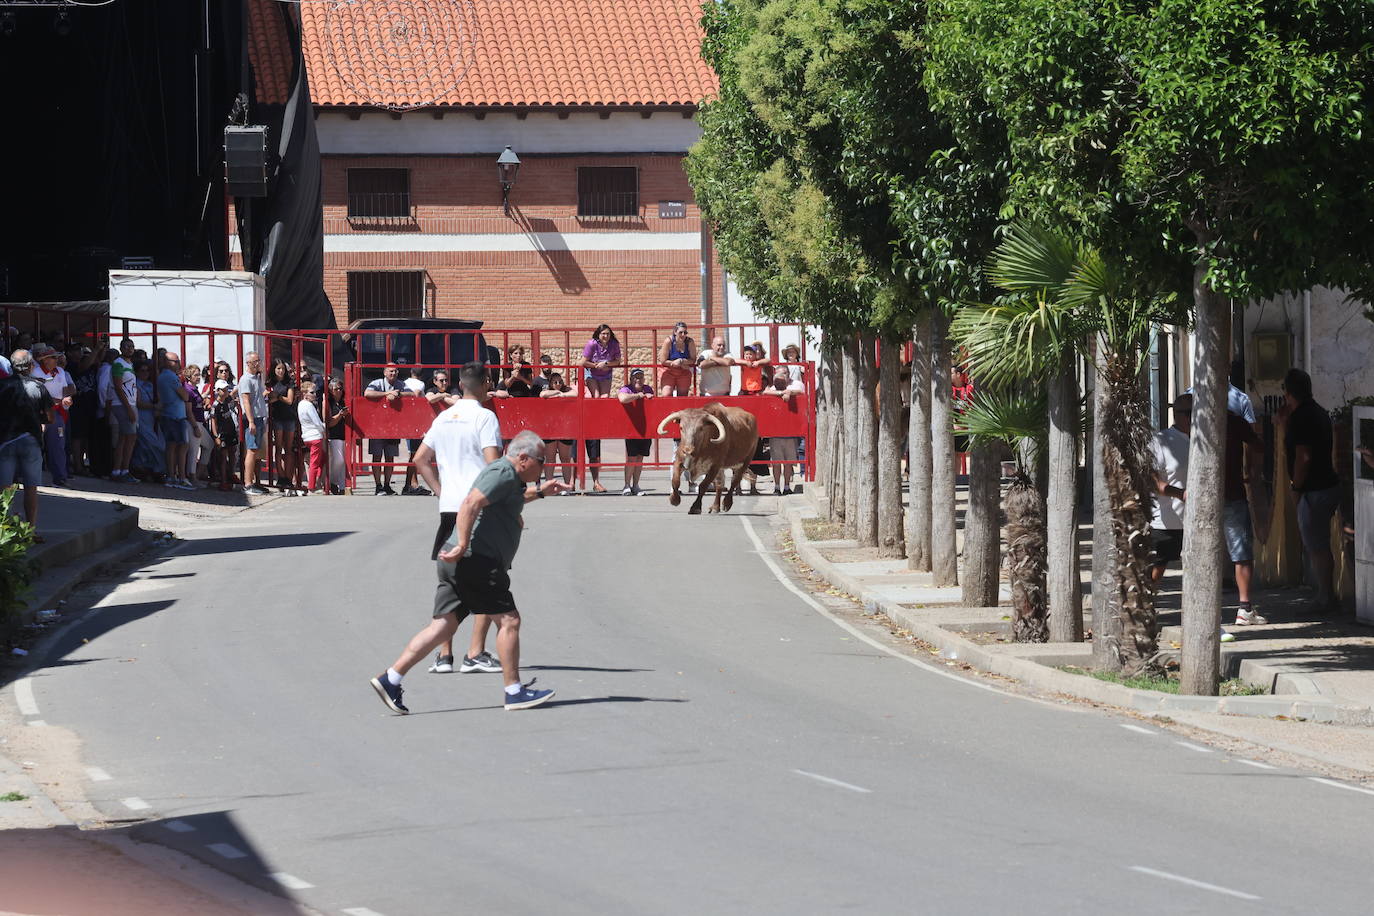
132	416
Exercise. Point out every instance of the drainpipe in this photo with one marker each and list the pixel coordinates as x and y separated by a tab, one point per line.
705	275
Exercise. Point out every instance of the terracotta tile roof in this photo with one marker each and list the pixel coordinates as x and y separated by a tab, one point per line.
269	52
505	53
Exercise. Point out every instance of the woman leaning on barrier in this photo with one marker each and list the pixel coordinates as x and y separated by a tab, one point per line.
600	356
678	357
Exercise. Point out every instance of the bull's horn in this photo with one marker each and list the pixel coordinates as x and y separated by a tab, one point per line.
719	426
663	424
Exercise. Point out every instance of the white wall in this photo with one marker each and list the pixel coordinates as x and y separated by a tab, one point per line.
1341	344
419	133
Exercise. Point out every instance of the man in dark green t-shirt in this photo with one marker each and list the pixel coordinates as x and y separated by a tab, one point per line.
472	569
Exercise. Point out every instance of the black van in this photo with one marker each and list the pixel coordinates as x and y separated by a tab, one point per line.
369	340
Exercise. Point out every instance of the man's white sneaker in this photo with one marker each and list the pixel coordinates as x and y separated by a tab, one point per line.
1250	618
627	492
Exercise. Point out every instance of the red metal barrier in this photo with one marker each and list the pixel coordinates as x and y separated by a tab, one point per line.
582	418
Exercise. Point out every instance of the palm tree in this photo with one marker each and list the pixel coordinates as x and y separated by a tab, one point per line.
1061	294
1017	419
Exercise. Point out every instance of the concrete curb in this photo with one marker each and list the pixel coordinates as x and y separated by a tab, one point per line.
1308	706
56	584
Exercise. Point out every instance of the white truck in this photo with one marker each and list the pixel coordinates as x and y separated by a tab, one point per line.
183	310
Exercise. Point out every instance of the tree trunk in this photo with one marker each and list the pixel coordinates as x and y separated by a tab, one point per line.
918	449
1129	474
1106	623
944	548
819	450
1025	512
1200	664
835	441
1063	586
849	379
865	476
982	528
891	533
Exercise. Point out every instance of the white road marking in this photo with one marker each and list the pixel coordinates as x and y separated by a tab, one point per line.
1193	882
36	722
1341	785
96	774
23	697
179	827
134	803
834	782
846	625
290	881
1253	763
359	911
1194	747
1137	728
225	851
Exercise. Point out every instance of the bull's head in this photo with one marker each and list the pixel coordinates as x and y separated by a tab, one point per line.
692	421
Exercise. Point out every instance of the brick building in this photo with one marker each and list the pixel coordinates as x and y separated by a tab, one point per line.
415	102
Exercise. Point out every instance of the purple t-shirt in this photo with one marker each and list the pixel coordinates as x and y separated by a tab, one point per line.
595	352
631	389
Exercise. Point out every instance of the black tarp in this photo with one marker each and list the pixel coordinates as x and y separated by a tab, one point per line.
283	234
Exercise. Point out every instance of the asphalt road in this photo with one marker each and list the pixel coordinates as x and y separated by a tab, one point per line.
717	745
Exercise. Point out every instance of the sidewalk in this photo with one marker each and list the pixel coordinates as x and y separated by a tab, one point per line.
1317	671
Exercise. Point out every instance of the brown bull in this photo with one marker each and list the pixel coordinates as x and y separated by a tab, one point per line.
714	440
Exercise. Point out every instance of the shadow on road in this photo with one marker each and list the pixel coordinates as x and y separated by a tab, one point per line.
581	668
203	546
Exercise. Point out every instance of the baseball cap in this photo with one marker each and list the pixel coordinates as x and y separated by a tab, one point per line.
221	384
42	351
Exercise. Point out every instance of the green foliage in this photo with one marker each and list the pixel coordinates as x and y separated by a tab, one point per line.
1228	133
1008	416
16	569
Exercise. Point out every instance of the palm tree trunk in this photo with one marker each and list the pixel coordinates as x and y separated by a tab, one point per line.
918	449
1200	664
944	548
835	441
1129	474
865	452
891	533
850	411
982	528
1025	512
1106	623
1063	586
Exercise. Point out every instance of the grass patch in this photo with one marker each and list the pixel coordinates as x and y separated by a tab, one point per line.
818	529
1228	687
13	796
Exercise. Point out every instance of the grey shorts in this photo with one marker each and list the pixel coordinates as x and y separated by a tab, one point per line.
21	462
474	585
1315	508
119	419
1235	524
783	448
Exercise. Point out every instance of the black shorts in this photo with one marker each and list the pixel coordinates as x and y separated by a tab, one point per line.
1167	544
476	584
637	448
446	522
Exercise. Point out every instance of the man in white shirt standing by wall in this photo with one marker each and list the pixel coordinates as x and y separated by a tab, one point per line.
463	439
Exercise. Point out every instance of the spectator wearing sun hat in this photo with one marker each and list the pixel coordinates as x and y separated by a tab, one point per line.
60	387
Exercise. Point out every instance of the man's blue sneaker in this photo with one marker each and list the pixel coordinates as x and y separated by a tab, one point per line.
391	695
527	698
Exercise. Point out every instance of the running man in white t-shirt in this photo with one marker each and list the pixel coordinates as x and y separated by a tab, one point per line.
463	440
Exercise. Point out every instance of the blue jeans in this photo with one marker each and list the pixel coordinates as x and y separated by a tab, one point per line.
55	445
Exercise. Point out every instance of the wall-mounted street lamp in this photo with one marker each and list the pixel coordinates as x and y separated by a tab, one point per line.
507	166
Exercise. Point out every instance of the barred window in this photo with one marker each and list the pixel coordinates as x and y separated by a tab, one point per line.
379	193
386	294
608	191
